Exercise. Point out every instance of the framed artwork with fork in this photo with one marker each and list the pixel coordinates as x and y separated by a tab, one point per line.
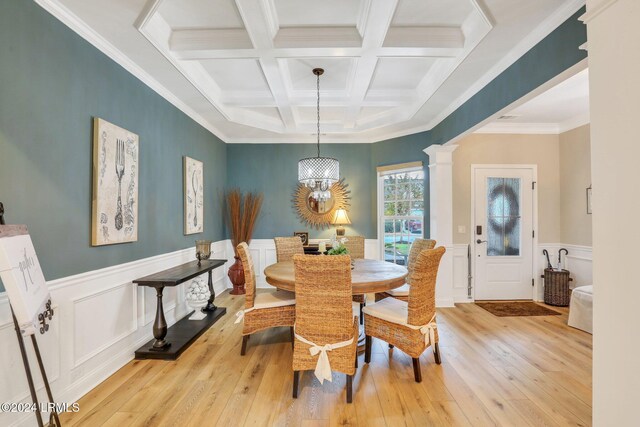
193	195
114	208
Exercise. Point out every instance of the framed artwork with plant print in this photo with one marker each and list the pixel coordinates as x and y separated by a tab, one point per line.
193	195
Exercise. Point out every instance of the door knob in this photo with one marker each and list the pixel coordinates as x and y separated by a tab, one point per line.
480	241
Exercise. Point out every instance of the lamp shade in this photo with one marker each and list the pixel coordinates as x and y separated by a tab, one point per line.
340	217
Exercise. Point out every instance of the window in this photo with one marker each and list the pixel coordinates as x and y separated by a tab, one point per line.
402	211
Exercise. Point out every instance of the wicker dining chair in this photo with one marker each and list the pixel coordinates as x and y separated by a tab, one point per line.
402	293
287	247
410	326
355	246
325	324
265	309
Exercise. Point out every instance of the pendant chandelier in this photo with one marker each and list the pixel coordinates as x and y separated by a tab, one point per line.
319	173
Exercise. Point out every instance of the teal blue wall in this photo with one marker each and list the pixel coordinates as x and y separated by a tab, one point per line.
52	83
273	170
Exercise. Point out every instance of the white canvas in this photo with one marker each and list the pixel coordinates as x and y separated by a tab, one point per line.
115	184
193	196
23	279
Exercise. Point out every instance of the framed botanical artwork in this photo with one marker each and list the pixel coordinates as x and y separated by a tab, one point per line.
193	180
114	209
304	236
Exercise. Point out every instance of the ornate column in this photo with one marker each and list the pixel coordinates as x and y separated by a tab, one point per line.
441	215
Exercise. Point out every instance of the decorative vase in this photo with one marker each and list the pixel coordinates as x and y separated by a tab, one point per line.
197	297
236	275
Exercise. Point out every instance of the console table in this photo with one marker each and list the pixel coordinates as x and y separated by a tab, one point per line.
169	343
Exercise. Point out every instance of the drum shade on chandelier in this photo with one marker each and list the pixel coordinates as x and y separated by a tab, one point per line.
319	173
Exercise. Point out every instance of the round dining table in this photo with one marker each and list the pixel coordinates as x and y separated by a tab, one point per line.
367	276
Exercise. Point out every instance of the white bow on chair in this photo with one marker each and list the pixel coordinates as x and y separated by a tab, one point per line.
240	314
323	366
428	330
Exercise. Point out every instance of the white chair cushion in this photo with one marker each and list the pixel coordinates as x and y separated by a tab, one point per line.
581	309
270	298
389	309
402	291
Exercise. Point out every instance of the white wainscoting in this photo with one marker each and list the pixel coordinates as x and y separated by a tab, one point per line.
578	262
100	319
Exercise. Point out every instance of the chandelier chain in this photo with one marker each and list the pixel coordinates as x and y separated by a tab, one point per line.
318	108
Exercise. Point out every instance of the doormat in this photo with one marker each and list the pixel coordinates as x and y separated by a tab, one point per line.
516	308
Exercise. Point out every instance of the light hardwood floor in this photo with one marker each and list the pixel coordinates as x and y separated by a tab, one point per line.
495	371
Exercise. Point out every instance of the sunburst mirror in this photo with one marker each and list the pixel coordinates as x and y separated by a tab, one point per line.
319	213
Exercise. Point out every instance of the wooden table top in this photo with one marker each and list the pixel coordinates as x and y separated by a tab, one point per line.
368	276
179	274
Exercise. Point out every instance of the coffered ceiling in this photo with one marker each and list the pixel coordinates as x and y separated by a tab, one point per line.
242	68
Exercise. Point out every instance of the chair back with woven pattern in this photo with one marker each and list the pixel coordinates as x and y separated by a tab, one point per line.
249	274
324	314
287	247
355	246
422	293
418	246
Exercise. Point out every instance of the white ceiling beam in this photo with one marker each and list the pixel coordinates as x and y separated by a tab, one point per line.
380	14
210	39
259	24
425	37
309	37
188	53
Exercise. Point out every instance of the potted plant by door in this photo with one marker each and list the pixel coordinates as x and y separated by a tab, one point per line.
241	214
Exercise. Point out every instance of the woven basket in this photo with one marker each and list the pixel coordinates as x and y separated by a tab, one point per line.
556	287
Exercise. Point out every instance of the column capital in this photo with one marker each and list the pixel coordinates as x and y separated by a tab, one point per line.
440	154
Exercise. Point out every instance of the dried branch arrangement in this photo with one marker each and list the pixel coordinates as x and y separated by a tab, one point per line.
241	214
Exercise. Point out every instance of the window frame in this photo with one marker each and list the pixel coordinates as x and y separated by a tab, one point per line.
382	173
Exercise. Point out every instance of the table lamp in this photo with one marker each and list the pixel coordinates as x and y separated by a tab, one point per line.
340	217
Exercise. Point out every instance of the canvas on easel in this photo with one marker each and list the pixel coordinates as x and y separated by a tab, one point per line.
22	276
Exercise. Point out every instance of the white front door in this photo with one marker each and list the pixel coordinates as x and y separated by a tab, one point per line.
503	233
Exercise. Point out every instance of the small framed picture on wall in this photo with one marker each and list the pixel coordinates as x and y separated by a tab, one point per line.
304	236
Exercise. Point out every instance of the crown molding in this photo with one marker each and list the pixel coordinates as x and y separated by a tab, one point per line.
535	128
574	122
520	128
597	10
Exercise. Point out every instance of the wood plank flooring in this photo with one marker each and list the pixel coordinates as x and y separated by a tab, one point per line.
527	371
